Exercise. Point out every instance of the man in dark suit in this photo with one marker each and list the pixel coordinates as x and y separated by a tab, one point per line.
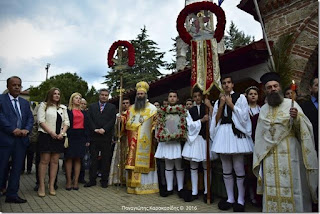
102	116
310	108
16	123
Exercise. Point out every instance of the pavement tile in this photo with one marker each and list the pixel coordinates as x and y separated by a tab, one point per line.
97	199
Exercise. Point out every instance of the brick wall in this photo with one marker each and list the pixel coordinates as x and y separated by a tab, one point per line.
299	17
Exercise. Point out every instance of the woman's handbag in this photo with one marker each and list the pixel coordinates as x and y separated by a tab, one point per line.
66	142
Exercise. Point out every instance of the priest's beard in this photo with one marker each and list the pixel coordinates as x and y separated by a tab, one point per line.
275	98
140	103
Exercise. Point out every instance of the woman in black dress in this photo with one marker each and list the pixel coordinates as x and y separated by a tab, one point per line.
53	123
77	140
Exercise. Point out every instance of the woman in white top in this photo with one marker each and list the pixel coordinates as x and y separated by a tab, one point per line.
53	123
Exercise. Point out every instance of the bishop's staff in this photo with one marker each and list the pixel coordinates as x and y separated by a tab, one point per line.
121	64
203	39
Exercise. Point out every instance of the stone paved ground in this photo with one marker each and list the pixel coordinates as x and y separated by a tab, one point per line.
97	199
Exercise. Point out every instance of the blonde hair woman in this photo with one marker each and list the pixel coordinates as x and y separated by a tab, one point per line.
53	123
77	140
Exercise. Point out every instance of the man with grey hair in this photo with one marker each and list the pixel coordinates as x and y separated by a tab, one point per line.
83	104
284	158
102	116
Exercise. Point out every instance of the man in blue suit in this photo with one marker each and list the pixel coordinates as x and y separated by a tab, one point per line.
16	122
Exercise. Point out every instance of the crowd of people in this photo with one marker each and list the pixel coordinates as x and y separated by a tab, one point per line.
269	150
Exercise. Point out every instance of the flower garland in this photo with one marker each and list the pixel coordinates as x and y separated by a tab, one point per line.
113	48
163	135
196	7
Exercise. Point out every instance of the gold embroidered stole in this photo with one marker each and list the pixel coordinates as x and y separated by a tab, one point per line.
139	124
272	149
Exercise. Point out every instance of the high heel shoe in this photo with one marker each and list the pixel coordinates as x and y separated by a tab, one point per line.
52	192
41	194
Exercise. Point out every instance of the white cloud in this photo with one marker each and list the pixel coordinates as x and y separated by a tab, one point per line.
75	37
21	40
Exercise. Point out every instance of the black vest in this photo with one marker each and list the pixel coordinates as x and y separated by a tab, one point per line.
195	116
228	119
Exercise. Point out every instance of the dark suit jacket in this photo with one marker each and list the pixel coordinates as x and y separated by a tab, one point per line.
86	124
105	120
8	120
312	113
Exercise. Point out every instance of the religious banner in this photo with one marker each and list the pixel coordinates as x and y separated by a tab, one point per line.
205	71
204	42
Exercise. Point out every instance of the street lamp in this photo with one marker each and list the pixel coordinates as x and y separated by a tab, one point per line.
47	68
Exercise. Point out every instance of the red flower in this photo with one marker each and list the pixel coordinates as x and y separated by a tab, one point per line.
115	45
178	108
194	8
170	109
183	127
182	119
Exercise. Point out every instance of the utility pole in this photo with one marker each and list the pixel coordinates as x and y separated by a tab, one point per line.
47	68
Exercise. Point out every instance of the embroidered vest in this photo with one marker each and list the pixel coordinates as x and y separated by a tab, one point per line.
228	119
195	116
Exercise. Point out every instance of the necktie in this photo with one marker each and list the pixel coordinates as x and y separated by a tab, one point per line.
17	113
101	107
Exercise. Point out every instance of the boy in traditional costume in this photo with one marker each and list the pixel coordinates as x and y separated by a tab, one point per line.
231	131
195	149
170	132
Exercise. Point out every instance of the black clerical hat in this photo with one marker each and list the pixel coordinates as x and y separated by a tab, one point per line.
270	76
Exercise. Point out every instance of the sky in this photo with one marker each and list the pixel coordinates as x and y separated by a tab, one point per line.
75	36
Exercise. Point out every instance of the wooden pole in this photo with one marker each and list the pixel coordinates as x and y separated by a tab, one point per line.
119	132
208	157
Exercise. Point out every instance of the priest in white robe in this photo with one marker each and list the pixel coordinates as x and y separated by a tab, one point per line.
284	158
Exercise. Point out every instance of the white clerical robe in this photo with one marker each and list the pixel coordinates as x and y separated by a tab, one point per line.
285	160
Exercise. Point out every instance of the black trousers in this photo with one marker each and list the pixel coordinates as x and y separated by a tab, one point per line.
104	146
29	156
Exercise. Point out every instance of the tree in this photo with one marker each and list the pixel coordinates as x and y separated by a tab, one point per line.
68	83
92	95
236	38
282	60
148	61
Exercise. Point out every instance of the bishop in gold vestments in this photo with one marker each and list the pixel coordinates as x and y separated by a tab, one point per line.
140	164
